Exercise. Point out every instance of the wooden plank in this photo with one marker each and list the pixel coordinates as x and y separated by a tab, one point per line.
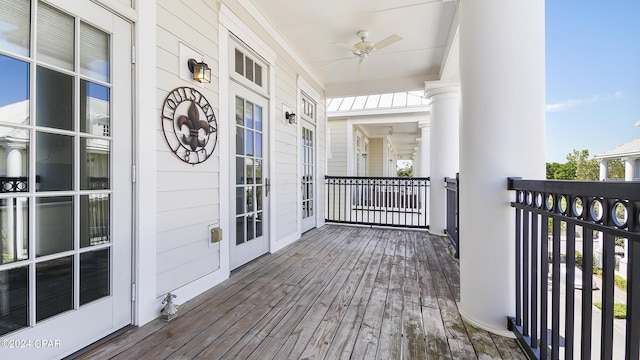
318	344
509	348
413	331
345	337
436	339
366	344
390	345
306	327
461	349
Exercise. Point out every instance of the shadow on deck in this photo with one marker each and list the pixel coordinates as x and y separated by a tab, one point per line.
338	293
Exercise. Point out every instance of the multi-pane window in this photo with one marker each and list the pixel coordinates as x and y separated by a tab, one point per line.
248	67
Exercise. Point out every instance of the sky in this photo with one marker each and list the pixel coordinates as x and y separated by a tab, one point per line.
592	75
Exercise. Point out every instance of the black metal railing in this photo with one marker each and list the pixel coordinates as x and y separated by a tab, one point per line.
398	202
551	219
14	184
453	203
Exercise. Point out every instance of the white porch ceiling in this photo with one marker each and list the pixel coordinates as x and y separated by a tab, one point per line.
426	52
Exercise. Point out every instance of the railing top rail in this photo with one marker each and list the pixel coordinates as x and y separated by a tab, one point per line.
627	190
377	177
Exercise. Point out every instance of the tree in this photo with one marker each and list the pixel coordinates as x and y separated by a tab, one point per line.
616	169
556	171
586	169
405	171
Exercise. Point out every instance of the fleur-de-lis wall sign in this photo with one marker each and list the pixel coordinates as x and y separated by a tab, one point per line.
189	125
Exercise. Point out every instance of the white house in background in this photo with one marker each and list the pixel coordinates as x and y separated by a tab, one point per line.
197	178
629	153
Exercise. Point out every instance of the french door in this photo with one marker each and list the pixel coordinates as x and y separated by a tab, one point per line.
308	176
249	186
65	160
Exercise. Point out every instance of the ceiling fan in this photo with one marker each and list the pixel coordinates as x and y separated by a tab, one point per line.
363	48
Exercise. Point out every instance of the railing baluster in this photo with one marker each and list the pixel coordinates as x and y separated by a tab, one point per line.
544	286
587	292
519	266
555	290
534	280
570	266
606	336
525	273
632	345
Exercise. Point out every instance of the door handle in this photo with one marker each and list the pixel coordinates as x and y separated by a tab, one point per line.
267	187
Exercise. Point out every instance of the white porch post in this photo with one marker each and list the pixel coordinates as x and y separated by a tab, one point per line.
445	152
502	90
417	160
604	169
423	147
629	169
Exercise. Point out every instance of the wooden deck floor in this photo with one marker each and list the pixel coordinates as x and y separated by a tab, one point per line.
339	293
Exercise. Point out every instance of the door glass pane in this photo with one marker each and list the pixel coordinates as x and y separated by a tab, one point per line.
248	115
258	75
250	227
258	144
239	200
259	198
55	37
95	210
240	179
239	62
249	68
94	164
94	275
94	52
16	153
249	191
239	140
94	108
258	172
239	111
239	230
14	91
249	171
54	287
14	297
15	22
258	117
14	230
249	142
54	225
259	224
54	94
54	161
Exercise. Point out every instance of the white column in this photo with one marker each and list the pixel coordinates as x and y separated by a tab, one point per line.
629	169
502	134
604	169
445	152
424	146
417	161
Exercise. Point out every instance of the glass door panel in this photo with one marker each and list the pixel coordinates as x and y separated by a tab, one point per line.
249	185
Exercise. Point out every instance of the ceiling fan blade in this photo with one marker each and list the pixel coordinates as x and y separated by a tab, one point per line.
345	46
336	61
387	41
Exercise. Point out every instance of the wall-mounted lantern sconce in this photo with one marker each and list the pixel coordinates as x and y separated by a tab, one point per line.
291	117
201	71
364	155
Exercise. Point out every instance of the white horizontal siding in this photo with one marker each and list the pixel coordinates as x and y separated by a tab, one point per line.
188	196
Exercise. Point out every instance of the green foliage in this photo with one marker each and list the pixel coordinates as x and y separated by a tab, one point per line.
406	171
616	169
586	169
578	167
619	310
620	281
556	171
